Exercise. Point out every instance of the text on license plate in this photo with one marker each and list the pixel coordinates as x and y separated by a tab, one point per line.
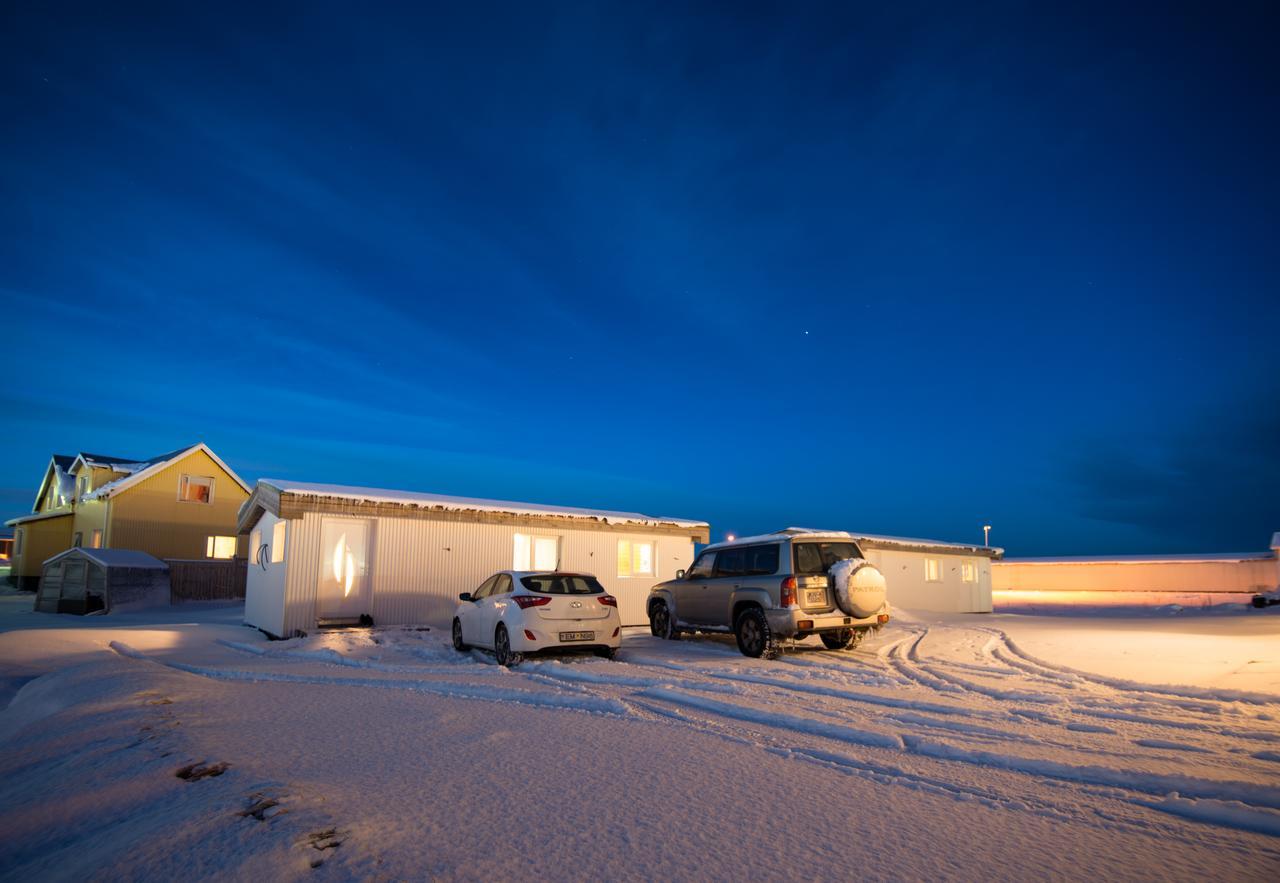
815	597
577	636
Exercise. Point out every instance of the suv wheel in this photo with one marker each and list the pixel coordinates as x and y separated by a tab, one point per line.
755	638
458	643
502	648
838	639
661	625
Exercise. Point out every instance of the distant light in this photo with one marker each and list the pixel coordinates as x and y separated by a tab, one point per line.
731	537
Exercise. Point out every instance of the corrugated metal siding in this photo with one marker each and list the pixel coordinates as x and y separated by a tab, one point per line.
149	516
907	588
417	567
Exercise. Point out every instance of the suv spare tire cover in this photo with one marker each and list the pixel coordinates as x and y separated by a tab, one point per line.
859	587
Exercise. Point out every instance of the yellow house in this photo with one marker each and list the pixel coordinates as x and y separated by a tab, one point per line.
182	504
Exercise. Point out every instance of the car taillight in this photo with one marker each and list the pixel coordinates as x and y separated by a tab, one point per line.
527	601
608	601
789	591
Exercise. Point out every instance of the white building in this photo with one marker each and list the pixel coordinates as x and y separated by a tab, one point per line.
931	574
332	554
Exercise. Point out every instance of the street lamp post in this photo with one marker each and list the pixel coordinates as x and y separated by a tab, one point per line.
986	534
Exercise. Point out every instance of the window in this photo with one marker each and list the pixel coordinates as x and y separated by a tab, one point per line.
635	558
703	567
731	562
486	589
563	585
536	553
77	539
96	541
277	542
818	558
220	547
969	572
82	486
195	489
932	570
761	560
255	546
503	585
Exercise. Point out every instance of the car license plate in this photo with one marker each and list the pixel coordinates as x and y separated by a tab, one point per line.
566	637
815	597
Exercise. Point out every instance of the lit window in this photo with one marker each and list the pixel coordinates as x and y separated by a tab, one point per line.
932	570
536	553
195	489
635	559
220	547
277	542
96	542
77	539
969	572
255	545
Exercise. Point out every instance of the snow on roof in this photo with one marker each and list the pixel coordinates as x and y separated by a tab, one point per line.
442	501
138	470
41	516
1147	559
115	557
875	540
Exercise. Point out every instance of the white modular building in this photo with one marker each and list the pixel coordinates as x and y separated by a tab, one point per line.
324	554
932	574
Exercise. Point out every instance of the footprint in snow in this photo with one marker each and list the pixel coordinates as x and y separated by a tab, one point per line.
193	772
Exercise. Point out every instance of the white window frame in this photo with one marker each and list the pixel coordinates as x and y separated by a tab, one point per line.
212	546
530	559
95	541
968	571
185	480
933	570
627	552
278	536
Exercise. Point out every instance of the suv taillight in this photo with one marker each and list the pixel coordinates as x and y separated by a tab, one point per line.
789	592
527	601
608	601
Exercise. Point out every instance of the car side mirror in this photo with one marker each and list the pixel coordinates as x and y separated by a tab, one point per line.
679	574
465	596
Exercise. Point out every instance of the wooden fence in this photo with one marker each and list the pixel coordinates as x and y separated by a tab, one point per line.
197	580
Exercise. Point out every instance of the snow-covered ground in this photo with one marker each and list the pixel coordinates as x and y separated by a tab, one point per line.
182	743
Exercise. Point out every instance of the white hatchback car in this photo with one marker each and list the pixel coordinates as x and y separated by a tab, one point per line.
517	612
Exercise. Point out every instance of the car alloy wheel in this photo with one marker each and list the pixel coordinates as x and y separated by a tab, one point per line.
457	637
502	647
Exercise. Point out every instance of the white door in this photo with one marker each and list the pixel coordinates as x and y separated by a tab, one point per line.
344	591
469	612
490	609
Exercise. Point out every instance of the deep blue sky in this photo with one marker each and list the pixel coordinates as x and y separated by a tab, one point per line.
901	271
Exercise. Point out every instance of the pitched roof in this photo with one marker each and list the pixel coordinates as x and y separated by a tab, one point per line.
140	470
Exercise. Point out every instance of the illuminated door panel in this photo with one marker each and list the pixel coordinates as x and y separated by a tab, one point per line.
344	591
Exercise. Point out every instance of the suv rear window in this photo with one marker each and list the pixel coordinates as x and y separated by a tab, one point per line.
562	584
815	558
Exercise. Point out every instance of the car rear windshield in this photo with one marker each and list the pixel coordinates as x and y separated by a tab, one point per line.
820	557
562	584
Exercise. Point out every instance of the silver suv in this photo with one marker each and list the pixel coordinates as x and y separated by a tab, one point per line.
789	584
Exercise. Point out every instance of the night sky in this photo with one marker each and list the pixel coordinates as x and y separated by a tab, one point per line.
903	272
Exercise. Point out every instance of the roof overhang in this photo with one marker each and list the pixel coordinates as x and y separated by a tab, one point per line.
267	498
40	516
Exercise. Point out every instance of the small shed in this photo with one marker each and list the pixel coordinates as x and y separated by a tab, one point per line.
924	574
87	580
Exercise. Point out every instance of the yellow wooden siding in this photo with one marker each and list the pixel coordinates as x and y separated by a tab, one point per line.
41	540
90	515
149	516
